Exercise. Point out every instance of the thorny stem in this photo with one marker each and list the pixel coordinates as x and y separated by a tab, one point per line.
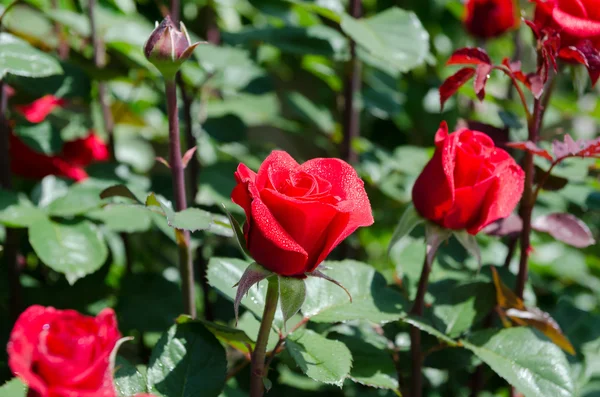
11	242
177	174
415	333
100	62
352	82
257	371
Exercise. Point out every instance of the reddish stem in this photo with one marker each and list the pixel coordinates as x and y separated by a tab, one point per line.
415	333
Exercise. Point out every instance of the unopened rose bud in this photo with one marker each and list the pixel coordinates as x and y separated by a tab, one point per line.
168	47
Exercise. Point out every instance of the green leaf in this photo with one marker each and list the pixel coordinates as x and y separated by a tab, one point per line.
79	199
238	233
460	305
17	211
20	59
123	218
234	337
119	191
324	360
128	380
292	292
187	361
533	365
75	249
13	388
371	298
320	116
409	220
224	273
394	37
41	137
372	363
425	325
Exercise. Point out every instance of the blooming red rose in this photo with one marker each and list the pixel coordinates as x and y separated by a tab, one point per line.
489	18
296	214
38	110
578	24
69	163
85	151
61	353
468	183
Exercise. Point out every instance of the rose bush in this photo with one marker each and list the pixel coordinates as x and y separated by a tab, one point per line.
296	214
468	183
61	353
489	18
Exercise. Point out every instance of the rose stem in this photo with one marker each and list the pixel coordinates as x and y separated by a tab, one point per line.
100	62
11	242
415	333
213	36
177	174
352	82
260	349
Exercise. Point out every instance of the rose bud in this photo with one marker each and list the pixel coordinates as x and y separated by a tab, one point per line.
296	214
469	183
61	353
487	19
168	47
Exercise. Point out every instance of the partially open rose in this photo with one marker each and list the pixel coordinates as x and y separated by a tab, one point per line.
469	182
61	353
296	214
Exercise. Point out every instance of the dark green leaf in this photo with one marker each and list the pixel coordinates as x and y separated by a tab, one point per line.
188	361
79	199
17	211
128	380
123	218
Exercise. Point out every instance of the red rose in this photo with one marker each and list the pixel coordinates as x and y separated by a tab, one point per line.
489	18
85	151
70	163
61	353
296	214
578	24
38	110
468	183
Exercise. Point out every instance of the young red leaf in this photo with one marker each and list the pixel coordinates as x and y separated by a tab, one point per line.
482	74
188	156
469	56
566	228
530	147
586	54
580	148
163	161
531	80
453	83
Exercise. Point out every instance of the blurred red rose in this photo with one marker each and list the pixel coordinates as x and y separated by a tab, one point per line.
296	214
61	353
69	163
38	110
489	18
469	183
578	24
